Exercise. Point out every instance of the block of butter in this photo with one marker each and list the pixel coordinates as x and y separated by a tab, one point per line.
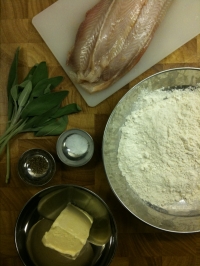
69	232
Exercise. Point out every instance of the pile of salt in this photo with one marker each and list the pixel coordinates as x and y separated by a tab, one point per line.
76	144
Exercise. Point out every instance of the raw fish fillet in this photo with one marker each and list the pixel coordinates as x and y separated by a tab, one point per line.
112	39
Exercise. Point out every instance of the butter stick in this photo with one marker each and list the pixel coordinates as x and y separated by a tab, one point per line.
69	232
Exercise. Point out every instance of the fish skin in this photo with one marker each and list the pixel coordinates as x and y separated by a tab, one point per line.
118	39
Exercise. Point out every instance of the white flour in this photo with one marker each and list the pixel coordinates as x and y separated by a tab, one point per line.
159	149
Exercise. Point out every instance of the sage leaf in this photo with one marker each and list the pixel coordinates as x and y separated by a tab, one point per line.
12	77
48	89
12	80
14	92
42	85
53	128
43	104
16	89
30	73
24	95
24	83
40	120
41	72
66	110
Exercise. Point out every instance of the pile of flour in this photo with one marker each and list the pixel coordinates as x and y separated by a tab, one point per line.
159	148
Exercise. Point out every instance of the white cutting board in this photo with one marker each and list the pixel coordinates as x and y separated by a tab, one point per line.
59	23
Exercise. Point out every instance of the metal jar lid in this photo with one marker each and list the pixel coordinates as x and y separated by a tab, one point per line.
75	147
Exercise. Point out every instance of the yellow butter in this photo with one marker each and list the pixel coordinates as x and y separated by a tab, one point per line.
69	232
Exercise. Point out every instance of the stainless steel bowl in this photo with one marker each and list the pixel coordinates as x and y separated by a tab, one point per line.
45	206
174	220
36	167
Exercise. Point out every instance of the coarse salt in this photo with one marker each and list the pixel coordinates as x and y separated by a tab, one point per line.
77	144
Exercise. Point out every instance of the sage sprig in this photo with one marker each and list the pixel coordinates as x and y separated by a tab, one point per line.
34	106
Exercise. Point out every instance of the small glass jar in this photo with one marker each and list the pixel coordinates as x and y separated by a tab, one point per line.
75	147
36	167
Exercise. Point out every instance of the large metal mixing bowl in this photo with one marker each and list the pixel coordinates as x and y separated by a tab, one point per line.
180	219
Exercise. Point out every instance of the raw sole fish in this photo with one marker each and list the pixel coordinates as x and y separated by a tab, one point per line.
112	39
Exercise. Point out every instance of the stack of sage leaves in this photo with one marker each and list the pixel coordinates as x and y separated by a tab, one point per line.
34	105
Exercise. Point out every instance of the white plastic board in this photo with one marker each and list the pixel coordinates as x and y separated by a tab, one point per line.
59	23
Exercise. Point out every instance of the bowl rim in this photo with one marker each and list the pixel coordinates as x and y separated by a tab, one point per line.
149	77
